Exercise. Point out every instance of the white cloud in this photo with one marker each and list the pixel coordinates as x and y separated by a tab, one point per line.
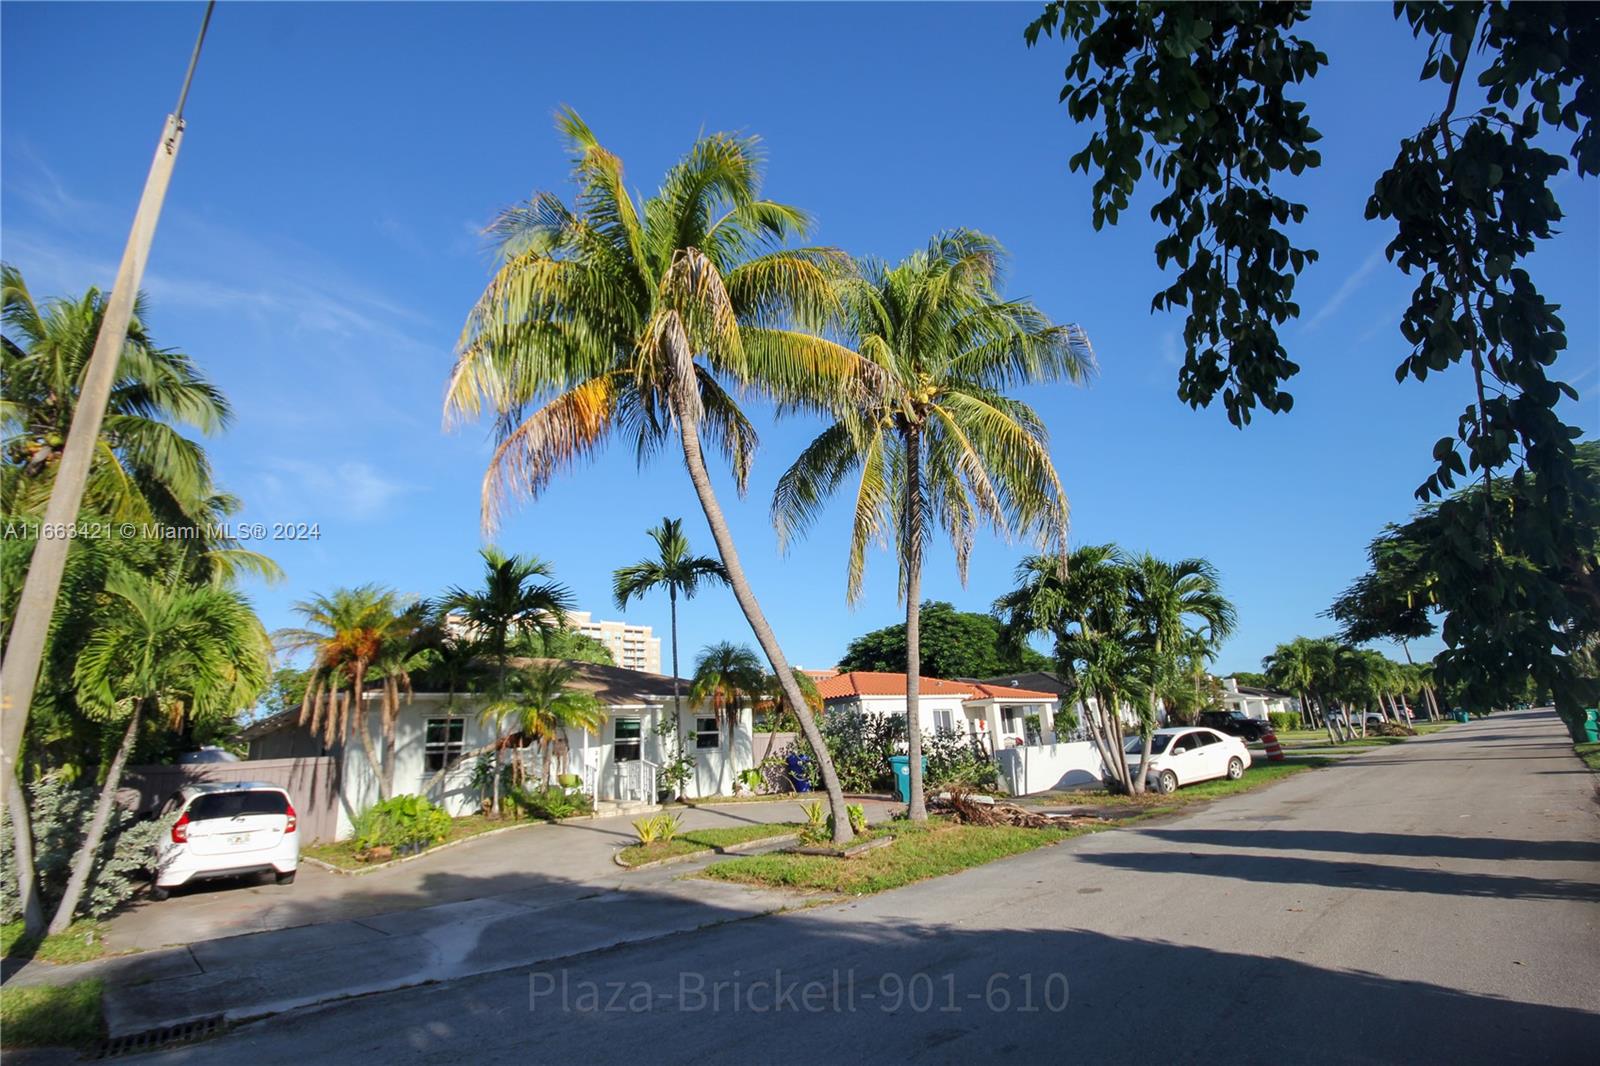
302	491
1347	289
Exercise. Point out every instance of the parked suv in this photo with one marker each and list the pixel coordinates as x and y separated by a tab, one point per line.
227	830
1235	724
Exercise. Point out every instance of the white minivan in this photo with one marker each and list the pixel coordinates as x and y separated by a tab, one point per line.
227	830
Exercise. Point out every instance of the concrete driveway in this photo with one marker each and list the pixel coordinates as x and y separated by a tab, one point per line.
1436	901
538	863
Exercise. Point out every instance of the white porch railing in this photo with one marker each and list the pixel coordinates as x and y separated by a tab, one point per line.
635	780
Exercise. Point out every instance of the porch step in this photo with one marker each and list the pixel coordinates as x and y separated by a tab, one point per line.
606	808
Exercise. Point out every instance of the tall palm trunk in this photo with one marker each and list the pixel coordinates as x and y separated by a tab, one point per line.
83	863
22	849
358	708
391	712
677	701
694	459
917	808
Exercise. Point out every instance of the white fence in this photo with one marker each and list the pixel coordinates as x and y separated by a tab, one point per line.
1048	767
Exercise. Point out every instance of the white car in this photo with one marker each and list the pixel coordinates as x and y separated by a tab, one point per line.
227	830
1182	755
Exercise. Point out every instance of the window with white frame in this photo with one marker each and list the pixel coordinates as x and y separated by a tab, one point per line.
625	742
442	742
707	734
944	720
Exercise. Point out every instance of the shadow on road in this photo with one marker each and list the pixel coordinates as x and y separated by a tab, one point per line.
1287	870
925	992
1414	845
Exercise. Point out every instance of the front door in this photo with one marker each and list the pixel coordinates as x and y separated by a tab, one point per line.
626	737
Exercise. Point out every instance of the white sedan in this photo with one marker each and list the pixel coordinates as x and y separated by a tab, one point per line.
1182	755
227	830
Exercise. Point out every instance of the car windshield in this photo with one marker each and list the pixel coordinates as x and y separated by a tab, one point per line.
1158	744
233	804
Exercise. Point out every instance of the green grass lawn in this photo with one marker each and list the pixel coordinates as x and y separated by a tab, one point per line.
1589	753
83	941
696	840
918	853
344	853
52	1016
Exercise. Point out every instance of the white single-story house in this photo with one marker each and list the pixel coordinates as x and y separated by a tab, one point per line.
996	715
439	737
1256	702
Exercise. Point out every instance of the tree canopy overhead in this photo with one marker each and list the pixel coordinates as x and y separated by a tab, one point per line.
1196	96
954	644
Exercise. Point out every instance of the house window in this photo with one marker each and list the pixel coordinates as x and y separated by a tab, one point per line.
626	745
706	733
442	742
943	720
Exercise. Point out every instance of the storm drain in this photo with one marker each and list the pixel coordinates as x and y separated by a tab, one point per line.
167	1036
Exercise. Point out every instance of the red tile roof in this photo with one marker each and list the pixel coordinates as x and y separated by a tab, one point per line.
877	683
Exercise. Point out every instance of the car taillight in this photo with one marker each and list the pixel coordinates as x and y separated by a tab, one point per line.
180	829
288	809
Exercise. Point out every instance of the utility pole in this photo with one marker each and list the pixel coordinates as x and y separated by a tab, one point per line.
19	672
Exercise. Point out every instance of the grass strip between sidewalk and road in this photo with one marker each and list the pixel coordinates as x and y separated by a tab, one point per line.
52	1015
1589	753
918	853
83	941
692	841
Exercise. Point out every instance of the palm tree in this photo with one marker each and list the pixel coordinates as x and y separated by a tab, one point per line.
771	694
1165	599
617	317
673	568
550	705
510	601
933	442
411	644
144	467
170	650
1081	602
347	632
724	674
1290	666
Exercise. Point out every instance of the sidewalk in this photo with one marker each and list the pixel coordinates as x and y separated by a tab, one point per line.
552	863
514	899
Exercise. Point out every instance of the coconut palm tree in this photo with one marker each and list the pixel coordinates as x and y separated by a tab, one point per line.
144	467
725	674
622	318
171	651
933	442
347	632
673	568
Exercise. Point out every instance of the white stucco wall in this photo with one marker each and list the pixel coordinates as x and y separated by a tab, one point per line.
1036	768
715	772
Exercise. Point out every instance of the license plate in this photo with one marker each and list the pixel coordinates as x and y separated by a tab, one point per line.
242	838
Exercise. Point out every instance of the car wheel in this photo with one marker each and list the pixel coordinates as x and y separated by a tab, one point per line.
158	893
1235	769
286	879
1168	782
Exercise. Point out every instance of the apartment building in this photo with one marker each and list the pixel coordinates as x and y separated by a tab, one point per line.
633	646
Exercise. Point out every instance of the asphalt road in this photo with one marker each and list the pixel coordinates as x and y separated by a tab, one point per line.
1437	901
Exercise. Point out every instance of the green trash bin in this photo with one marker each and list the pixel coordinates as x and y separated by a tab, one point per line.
901	765
1590	727
1463	716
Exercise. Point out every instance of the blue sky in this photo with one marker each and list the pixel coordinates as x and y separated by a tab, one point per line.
320	249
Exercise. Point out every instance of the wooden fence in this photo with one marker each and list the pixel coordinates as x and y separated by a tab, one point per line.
311	781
